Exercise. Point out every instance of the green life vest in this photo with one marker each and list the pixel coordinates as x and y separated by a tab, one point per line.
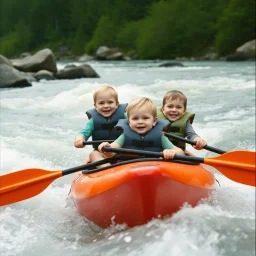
177	127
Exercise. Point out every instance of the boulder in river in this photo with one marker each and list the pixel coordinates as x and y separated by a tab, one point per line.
171	64
42	60
73	72
11	77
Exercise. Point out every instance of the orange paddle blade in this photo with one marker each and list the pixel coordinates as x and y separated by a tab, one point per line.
21	185
24	184
237	165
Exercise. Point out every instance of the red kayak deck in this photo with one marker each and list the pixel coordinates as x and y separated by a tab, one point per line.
135	193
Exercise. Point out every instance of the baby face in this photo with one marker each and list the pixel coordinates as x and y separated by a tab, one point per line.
106	104
141	120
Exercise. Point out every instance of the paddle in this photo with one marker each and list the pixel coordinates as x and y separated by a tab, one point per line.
238	166
17	186
215	150
21	185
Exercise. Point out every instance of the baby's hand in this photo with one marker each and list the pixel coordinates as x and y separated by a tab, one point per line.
169	154
200	143
101	146
79	142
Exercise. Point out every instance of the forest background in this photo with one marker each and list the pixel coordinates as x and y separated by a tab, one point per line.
151	29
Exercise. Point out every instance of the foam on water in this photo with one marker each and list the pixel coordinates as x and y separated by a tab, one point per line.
12	160
81	96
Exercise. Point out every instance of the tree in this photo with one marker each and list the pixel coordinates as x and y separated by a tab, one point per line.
23	35
104	34
175	28
127	36
236	26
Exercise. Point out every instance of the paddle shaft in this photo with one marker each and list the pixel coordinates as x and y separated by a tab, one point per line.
219	160
85	166
93	142
151	154
215	150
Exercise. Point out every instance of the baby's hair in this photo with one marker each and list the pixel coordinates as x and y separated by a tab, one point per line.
174	94
143	102
105	88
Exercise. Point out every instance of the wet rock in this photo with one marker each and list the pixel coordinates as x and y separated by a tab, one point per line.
81	71
11	77
44	74
42	60
171	64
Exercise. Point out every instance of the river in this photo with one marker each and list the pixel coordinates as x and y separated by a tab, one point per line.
38	127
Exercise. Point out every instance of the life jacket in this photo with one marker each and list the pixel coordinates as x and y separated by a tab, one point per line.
104	128
151	141
177	127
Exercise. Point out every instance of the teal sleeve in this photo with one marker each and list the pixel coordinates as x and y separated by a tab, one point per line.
125	115
87	129
120	140
166	144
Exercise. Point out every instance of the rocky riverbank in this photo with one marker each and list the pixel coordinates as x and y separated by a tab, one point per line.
21	72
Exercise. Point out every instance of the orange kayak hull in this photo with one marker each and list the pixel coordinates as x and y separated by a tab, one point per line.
135	193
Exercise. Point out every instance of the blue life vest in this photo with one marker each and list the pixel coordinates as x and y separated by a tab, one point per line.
151	141
104	128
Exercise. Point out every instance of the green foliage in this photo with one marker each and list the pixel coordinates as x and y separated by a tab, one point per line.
182	28
235	26
129	10
127	36
8	45
23	35
79	41
154	37
152	28
16	42
104	35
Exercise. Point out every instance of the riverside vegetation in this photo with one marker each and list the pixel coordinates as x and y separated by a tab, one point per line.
147	29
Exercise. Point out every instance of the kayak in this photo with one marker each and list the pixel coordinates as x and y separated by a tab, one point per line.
136	191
